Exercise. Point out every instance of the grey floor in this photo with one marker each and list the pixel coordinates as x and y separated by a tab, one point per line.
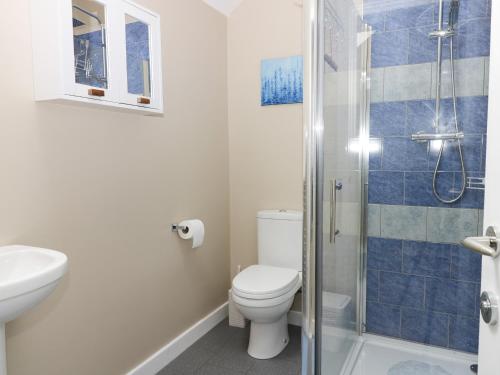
223	351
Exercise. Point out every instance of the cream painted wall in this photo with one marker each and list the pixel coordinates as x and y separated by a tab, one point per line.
265	143
104	187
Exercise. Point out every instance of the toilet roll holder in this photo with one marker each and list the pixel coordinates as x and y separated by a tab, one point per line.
177	228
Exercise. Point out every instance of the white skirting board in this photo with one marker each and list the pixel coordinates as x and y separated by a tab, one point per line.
173	349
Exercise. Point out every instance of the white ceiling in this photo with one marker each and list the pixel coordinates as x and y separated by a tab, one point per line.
224	6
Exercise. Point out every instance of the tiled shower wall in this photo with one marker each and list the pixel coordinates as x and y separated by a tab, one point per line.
421	285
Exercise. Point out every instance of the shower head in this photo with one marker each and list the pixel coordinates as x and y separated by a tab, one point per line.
453	16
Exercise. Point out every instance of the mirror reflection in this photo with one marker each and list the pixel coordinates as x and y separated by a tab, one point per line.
138	57
89	41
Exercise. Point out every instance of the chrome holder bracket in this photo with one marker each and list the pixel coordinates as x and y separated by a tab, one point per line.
179	228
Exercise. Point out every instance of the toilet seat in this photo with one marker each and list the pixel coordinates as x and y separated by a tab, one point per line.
264	282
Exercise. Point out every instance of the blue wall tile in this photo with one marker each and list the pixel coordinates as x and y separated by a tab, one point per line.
401	290
426	259
424	326
387	119
473	114
384	254
419	191
390	48
421	115
472	145
464	333
402	154
449	296
465	265
372	285
383	319
375	160
409	17
450	161
422	49
386	187
474	38
416	156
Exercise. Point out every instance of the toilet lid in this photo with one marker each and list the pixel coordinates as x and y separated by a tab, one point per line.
263	282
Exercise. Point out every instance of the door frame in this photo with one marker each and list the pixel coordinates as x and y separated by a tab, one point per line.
489	336
313	134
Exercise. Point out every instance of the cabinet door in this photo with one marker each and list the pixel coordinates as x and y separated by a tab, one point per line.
88	48
142	55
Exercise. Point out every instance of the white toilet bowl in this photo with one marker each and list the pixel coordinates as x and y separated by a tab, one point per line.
264	295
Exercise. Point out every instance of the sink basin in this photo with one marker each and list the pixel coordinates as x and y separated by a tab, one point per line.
27	276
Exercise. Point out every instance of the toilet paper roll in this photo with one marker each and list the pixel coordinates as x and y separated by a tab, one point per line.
194	230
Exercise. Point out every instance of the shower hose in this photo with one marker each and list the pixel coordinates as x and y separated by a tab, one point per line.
443	142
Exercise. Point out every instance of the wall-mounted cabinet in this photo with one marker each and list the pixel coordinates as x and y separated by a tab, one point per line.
97	52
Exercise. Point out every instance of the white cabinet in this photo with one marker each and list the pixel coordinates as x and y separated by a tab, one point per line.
97	52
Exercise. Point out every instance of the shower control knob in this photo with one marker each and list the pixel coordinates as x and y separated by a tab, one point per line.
489	308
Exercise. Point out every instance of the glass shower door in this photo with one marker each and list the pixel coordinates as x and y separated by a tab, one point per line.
336	161
345	51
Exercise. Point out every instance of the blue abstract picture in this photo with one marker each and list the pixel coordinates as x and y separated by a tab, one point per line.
282	81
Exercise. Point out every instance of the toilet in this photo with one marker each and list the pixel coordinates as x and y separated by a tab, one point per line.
264	293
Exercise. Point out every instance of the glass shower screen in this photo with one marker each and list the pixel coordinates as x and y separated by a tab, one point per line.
342	107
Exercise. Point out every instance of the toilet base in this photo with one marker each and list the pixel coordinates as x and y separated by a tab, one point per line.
267	340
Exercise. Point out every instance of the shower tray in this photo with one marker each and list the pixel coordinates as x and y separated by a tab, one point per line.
384	356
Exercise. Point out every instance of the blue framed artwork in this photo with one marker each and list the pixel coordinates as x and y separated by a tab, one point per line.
282	81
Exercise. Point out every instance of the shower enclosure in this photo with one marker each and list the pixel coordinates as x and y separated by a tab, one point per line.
396	114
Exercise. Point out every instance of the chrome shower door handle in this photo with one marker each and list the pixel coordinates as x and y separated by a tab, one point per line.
334	187
486	245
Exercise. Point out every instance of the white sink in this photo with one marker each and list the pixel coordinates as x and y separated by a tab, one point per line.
27	276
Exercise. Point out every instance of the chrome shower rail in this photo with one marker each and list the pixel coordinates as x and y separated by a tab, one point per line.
441	33
423	137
